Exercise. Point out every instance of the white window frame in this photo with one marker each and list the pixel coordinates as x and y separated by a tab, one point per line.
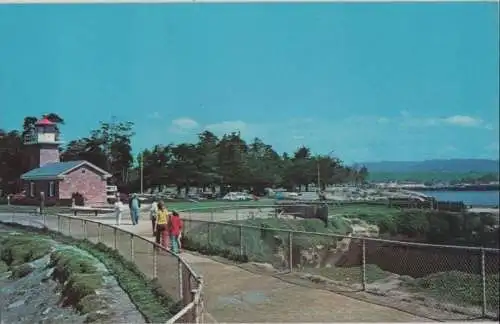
52	188
32	189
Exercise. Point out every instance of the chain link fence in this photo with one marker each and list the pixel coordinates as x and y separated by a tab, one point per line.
458	279
171	272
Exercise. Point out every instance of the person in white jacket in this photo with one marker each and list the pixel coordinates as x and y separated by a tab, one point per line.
118	211
153	212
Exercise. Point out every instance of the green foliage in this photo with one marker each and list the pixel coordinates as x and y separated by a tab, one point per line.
457	287
439	227
4	267
258	243
18	249
21	271
69	262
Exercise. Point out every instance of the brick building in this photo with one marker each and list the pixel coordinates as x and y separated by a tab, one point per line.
60	181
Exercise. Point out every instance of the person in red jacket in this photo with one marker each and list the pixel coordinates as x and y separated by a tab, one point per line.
175	231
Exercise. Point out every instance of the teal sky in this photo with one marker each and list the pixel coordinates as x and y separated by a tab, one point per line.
391	81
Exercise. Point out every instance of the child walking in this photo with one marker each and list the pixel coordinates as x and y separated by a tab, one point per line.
175	232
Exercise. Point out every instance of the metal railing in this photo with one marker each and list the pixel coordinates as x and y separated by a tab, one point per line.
459	279
174	275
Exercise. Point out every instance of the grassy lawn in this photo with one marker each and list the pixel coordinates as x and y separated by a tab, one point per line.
180	205
184	205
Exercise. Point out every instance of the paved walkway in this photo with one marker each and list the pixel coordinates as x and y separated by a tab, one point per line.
233	294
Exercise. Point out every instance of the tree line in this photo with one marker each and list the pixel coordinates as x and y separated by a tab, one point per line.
228	162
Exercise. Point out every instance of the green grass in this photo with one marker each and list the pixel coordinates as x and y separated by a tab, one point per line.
180	205
460	288
351	275
185	205
78	276
18	249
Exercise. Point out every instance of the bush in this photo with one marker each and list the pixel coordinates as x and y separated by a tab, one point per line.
18	249
4	267
21	271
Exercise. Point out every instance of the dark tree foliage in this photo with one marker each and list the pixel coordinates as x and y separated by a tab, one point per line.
228	162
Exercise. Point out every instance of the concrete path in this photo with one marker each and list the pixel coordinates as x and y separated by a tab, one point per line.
233	294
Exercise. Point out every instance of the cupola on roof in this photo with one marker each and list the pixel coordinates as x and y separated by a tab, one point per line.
44	122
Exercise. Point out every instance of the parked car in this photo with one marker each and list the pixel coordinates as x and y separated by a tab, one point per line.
196	197
209	195
237	196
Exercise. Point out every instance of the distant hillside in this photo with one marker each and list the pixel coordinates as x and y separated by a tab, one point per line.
452	166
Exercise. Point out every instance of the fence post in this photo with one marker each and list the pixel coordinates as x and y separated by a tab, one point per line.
211	214
155	261
209	228
242	249
132	247
115	238
363	264
69	226
179	273
44	219
483	282
194	316
42	202
59	223
186	287
290	251
199	305
98	232
237	213
84	225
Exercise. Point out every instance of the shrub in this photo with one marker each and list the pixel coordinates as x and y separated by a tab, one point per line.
4	267
21	271
18	249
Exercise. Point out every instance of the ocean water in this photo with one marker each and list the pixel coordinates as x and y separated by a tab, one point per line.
486	198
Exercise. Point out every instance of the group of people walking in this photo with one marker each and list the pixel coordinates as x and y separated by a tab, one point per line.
167	227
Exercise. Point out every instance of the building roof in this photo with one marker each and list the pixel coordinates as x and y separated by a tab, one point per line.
59	169
44	122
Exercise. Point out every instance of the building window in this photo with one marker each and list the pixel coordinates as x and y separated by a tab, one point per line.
52	189
32	189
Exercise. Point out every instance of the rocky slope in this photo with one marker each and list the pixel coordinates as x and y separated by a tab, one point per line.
43	281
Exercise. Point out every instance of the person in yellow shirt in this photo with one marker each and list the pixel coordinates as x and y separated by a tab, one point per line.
161	227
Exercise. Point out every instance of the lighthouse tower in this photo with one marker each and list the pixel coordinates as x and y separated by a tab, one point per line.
42	143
